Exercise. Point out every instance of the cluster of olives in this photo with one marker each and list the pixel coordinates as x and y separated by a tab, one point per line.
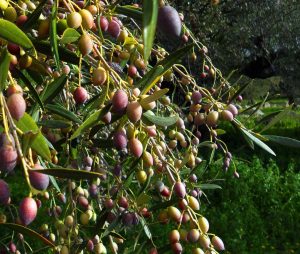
132	145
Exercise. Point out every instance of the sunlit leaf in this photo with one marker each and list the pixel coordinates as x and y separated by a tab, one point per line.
25	124
68	173
160	120
150	13
70	35
10	32
4	66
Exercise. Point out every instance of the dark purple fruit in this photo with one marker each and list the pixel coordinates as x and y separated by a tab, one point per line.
119	101
38	181
177	248
196	97
27	210
127	219
120	140
114	29
8	158
169	22
179	189
16	105
104	23
4	193
80	95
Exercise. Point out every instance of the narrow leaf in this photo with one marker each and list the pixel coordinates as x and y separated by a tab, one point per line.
68	173
70	35
209	186
66	55
277	118
285	141
4	66
26	231
159	120
34	16
161	67
150	12
91	121
63	112
153	97
258	142
53	181
239	92
32	90
145	227
25	124
10	32
53	34
54	124
130	11
54	88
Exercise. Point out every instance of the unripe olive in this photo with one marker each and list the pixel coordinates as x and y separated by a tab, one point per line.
10	14
212	118
174	213
199	119
141	176
100	249
163	217
119	101
64	250
197	251
193	235
84	219
44	28
92	9
135	147
134	111
8	158
3	5
80	95
203	224
87	19
69	221
179	189
217	243
27	210
122	36
74	20
99	76
193	203
85	44
38	180
147	159
4	193
25	61
204	241
174	236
